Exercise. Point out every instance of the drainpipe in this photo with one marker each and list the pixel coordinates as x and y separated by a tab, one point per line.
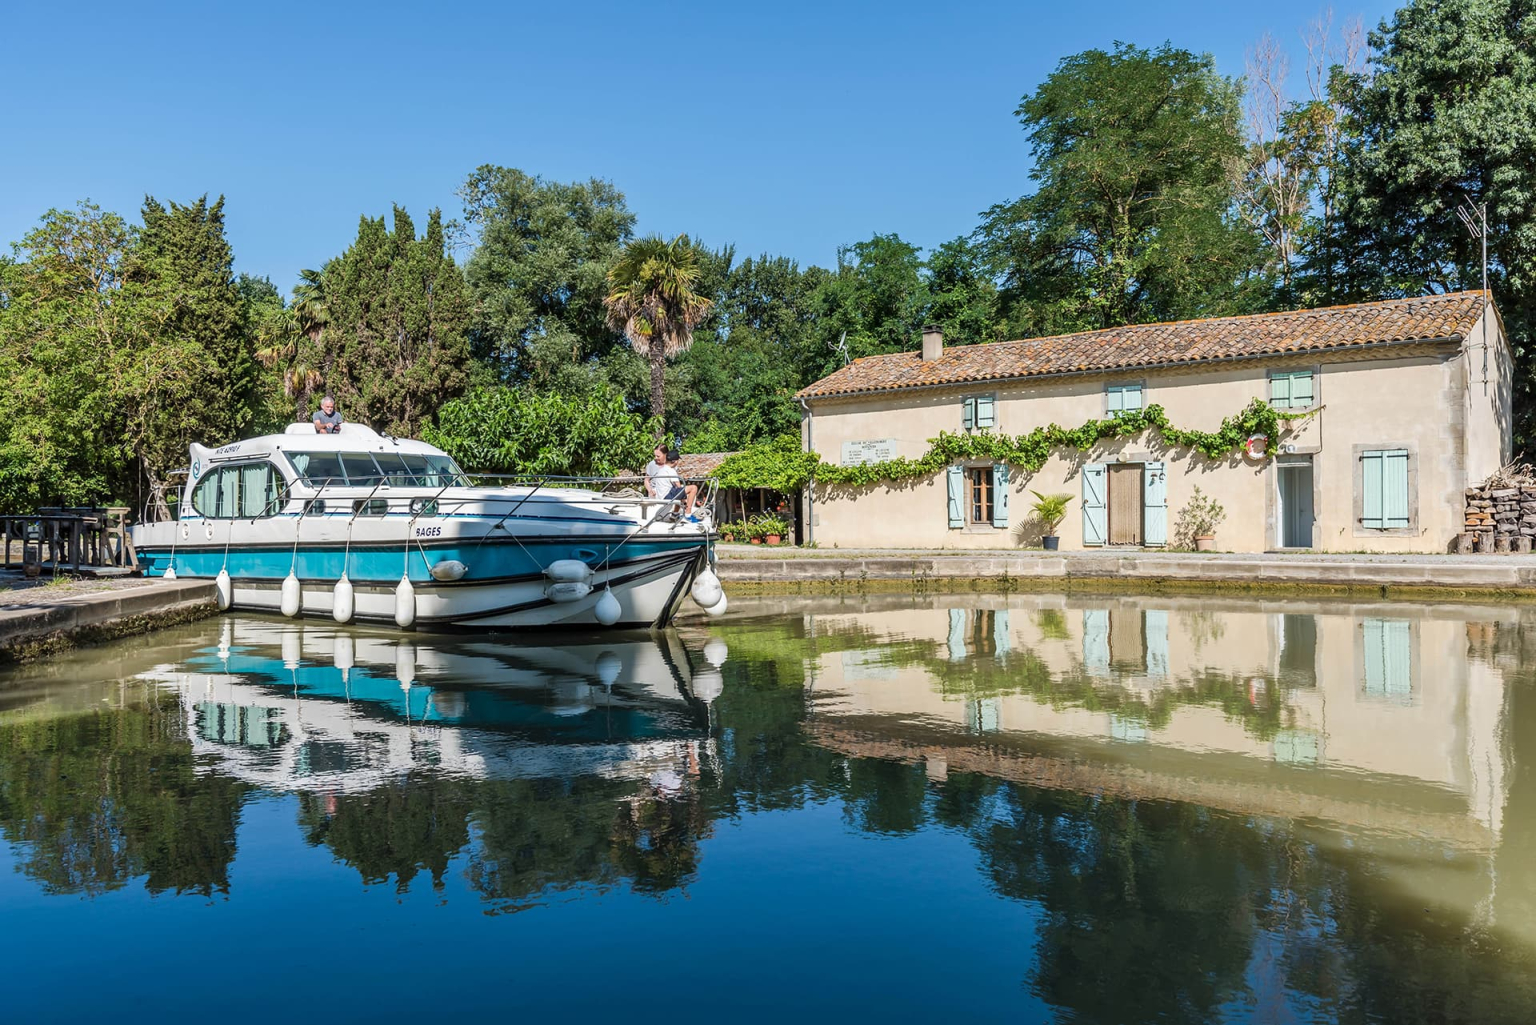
810	487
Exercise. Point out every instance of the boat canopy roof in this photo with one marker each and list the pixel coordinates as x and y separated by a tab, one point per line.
303	437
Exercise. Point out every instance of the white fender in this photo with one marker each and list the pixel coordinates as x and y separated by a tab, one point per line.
568	571
573	590
223	590
342	600
706	588
405	603
291	602
170	571
717	609
715	652
607	609
449	570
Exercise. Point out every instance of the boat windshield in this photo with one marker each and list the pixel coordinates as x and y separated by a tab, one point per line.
363	469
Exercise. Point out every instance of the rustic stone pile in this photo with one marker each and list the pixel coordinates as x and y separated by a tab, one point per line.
1499	519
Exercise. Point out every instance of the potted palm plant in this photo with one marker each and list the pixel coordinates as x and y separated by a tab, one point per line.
1050	510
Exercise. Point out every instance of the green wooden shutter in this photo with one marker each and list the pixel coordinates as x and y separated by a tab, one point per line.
1131	399
968	413
999	494
956	497
1116	399
1280	391
1154	627
1301	389
1370	490
1154	504
1394	488
1000	634
986	415
957	635
1095	514
1384	489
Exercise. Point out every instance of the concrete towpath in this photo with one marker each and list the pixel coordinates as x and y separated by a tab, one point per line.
41	620
1407	575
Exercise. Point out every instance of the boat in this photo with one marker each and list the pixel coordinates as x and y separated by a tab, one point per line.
358	525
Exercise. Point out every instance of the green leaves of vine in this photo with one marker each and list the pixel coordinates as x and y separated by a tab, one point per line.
780	465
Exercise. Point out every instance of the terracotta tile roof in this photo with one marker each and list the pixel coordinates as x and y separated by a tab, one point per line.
1136	346
700	465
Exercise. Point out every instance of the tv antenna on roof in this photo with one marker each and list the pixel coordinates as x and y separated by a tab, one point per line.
842	347
1474	217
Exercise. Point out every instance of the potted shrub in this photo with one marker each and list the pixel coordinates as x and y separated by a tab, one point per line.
774	529
1198	521
1050	510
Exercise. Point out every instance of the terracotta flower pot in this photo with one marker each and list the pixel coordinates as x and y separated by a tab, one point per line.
757	540
1205	544
773	539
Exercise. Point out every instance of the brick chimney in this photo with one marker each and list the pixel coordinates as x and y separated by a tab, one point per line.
933	342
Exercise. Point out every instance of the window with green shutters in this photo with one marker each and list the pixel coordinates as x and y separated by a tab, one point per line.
1123	398
1388	658
978	411
1384	495
1291	389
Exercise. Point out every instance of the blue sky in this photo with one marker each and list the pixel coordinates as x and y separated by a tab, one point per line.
784	128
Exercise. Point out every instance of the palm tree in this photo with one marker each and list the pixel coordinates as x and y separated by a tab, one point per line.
282	341
652	299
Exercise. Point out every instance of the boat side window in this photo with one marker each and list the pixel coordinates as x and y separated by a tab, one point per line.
417	467
317	468
442	472
245	491
370	507
395	468
360	469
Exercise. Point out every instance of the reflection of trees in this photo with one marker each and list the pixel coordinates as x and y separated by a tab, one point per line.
101	797
407	825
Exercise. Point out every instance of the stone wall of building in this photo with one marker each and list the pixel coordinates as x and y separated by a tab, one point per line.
1499	518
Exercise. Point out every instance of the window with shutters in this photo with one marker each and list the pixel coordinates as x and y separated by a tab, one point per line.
978	412
1123	398
1292	389
1386	500
978	483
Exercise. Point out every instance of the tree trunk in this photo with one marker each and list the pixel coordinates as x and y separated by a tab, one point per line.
658	373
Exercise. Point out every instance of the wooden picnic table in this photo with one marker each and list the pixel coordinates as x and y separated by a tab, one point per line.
77	537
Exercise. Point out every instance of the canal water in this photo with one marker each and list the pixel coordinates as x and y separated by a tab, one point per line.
1029	808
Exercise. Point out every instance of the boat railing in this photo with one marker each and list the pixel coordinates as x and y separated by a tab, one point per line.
165	499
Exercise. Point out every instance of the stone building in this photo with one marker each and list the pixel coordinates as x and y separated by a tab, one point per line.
1410	403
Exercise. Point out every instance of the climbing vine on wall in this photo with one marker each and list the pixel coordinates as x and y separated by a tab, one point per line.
782	466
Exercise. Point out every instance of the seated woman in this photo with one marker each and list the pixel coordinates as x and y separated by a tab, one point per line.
662	481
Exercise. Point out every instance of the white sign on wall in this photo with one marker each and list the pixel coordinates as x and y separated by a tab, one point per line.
856	453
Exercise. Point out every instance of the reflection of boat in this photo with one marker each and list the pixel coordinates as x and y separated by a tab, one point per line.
289	707
355	525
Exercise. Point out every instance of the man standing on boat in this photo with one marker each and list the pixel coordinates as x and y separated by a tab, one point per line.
327	420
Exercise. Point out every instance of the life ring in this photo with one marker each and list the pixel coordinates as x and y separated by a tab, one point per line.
1256	447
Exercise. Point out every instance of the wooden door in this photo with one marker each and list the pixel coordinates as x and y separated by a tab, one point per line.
1125	489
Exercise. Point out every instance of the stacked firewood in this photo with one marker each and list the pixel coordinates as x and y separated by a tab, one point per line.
1500	513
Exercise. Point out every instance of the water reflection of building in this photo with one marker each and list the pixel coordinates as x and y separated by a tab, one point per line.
1370	716
288	706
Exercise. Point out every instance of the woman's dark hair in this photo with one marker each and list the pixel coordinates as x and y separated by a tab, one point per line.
672	455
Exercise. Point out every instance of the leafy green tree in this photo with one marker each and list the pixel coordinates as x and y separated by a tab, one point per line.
1132	218
506	430
539	272
1448	115
192	376
397	318
876	301
653	298
963	293
64	328
289	341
